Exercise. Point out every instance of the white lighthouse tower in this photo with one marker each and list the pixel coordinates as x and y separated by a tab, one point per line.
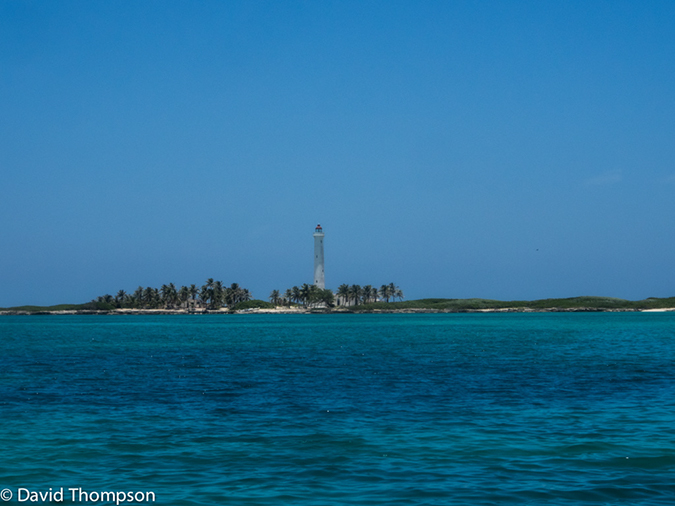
319	279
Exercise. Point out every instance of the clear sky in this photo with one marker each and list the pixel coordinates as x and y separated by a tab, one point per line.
496	149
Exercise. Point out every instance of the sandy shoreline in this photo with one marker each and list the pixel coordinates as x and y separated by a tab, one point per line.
299	310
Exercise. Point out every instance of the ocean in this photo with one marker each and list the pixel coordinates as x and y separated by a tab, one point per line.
344	409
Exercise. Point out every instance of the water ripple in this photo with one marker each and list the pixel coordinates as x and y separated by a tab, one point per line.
343	409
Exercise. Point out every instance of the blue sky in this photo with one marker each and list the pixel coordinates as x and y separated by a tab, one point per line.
508	150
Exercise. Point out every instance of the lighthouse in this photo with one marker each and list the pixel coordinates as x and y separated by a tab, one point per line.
319	279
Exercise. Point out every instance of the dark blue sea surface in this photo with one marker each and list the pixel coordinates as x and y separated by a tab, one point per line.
475	409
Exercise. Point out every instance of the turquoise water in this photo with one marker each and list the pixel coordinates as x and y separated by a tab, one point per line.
475	409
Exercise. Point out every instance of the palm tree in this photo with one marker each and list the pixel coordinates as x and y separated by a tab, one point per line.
164	290
305	294
138	296
218	294
355	292
385	292
194	291
107	299
296	294
212	295
326	296
173	295
205	295
184	295
120	298
148	297
392	290
274	297
343	294
228	297
367	293
288	295
237	294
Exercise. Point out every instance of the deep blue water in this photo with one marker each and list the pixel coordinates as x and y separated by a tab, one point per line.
474	409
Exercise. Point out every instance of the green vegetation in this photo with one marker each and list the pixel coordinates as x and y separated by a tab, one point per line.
346	295
252	304
311	296
355	295
212	295
39	309
98	306
593	303
307	295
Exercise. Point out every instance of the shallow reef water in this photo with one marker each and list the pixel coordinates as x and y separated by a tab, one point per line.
344	409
